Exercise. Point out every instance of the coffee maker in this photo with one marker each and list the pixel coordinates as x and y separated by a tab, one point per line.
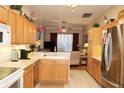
23	54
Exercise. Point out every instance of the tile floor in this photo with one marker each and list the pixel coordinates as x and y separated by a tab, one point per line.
78	79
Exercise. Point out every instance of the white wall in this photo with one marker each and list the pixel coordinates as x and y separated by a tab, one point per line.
112	12
74	30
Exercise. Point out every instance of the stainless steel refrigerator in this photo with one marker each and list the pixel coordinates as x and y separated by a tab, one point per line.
113	57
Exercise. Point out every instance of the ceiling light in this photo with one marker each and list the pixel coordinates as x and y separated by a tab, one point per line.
72	6
64	30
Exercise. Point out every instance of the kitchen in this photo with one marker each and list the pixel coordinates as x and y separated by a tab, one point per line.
22	33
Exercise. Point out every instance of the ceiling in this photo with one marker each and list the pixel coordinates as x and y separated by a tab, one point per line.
51	13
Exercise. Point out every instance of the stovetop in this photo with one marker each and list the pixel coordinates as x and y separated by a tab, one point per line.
5	71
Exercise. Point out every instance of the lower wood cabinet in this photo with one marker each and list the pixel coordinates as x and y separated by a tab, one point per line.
36	73
61	72
53	71
46	70
28	77
96	70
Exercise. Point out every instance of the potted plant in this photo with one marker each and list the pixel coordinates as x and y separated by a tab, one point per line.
96	25
16	8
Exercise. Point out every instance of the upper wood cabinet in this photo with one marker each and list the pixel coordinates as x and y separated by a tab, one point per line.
22	30
12	23
31	33
26	31
3	14
19	29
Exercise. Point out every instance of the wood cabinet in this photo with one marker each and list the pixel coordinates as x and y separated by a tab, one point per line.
26	32
89	63
61	72
94	44
96	71
46	70
31	33
28	77
19	29
96	36
90	49
22	30
3	14
36	73
54	71
12	23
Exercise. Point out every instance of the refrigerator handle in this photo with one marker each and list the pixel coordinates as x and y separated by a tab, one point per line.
108	52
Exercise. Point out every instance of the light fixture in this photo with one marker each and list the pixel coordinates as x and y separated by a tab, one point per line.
60	19
72	8
64	29
85	45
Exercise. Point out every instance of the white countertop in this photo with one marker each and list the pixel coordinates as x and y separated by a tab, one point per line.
97	58
35	56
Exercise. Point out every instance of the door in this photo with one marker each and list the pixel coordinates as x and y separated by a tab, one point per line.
111	57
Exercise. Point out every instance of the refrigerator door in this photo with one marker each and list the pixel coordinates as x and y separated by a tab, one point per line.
111	69
121	42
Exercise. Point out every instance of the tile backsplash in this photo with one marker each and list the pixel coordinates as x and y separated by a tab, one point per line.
5	53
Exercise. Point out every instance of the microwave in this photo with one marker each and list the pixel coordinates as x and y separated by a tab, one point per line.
5	34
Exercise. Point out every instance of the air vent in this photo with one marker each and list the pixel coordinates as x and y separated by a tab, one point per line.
86	15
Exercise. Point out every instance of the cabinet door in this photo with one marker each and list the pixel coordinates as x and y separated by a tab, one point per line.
20	30
26	32
28	77
25	77
30	33
89	64
46	70
60	72
36	73
3	15
12	23
34	34
31	84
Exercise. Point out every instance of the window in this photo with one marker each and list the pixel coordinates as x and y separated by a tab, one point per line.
64	42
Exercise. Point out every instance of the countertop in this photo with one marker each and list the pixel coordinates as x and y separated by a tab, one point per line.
97	58
34	57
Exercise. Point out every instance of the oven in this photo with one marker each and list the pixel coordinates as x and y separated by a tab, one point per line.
11	77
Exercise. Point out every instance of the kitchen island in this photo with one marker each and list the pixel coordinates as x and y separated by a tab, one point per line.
43	67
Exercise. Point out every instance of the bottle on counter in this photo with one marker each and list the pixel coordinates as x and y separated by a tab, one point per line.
55	50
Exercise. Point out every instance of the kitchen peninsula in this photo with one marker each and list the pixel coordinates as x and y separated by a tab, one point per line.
43	67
